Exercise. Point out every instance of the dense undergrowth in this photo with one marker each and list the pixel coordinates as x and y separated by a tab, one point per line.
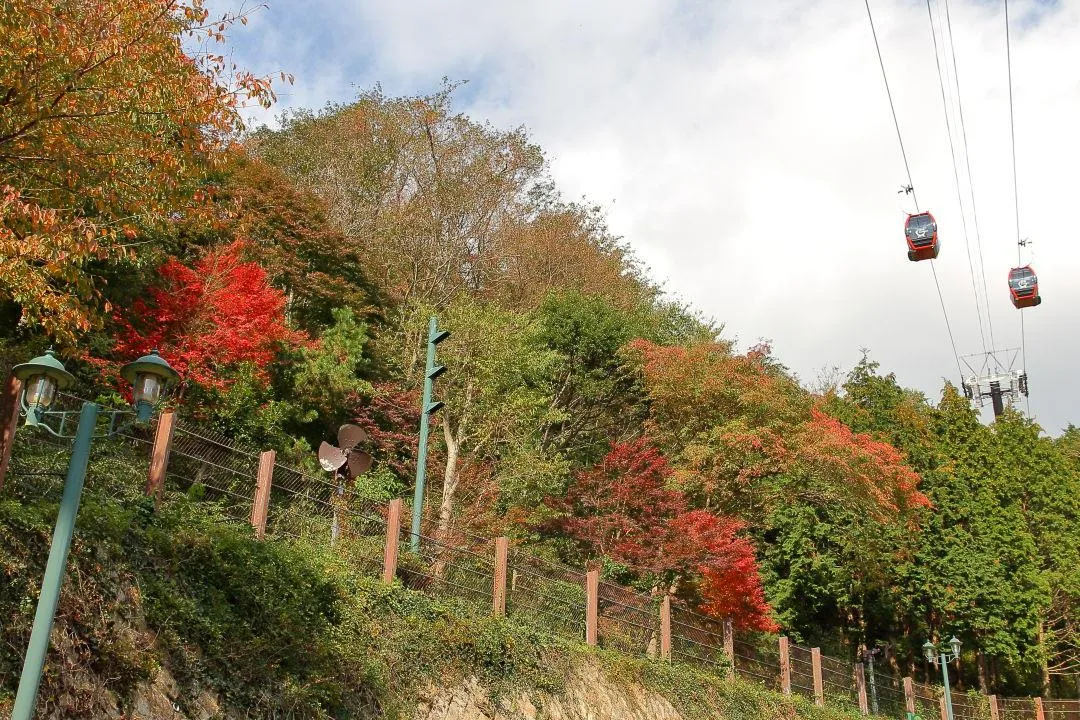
277	628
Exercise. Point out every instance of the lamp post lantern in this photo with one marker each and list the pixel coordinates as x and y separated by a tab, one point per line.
944	656
42	377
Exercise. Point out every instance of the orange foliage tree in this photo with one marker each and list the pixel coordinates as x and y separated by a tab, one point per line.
104	121
746	437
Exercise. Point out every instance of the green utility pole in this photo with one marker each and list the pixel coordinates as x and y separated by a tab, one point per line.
945	678
427	409
34	663
932	652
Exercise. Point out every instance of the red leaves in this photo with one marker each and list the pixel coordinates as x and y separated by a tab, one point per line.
210	318
623	509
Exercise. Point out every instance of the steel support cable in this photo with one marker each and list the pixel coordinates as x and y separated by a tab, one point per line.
1016	192
956	172
971	182
911	184
892	106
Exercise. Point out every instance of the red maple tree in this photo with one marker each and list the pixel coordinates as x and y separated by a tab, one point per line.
623	509
209	318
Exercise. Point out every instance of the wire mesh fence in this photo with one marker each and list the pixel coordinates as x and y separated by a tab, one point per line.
927	700
454	565
205	466
886	691
697	639
627	621
802	670
547	589
757	659
1061	709
838	682
1016	709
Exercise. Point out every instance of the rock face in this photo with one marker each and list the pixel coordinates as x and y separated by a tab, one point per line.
589	696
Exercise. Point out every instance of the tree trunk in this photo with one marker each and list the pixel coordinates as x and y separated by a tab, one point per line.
984	677
446	506
1045	668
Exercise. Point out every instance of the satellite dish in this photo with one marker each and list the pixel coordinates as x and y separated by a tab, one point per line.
348	457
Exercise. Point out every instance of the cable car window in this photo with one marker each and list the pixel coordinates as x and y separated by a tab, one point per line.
920	226
1022	279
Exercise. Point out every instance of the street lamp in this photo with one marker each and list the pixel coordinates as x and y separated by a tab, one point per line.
41	378
932	653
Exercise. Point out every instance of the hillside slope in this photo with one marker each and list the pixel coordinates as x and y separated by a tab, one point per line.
180	613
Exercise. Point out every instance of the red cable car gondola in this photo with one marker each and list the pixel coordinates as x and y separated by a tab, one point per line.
1024	287
920	230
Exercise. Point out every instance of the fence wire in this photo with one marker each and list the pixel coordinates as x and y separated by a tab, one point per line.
458	566
697	639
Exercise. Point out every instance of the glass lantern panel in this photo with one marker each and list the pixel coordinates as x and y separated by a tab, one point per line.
147	388
40	391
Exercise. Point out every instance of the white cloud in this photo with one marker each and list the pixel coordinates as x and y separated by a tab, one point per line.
747	152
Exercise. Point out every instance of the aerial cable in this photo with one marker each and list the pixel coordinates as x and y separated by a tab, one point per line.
971	182
911	183
1016	193
892	106
956	171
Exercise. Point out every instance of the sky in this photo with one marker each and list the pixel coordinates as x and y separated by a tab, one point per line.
747	153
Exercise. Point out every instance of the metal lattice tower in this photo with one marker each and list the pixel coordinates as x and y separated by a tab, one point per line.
992	376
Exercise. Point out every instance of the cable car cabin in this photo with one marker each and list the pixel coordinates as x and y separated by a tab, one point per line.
1024	287
920	230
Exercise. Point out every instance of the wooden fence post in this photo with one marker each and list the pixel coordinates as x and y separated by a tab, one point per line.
729	645
9	420
498	592
819	686
992	699
1040	714
943	708
909	695
785	665
393	536
592	599
159	456
665	628
260	504
860	688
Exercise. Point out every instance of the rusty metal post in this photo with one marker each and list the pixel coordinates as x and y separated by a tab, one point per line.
393	534
260	504
592	600
665	628
819	686
785	665
860	688
498	593
159	456
1040	713
992	699
9	420
729	645
909	695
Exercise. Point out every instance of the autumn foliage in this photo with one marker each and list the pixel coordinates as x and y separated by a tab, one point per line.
624	510
735	423
105	122
209	318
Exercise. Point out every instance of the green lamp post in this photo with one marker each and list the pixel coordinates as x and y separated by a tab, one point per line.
42	377
942	654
